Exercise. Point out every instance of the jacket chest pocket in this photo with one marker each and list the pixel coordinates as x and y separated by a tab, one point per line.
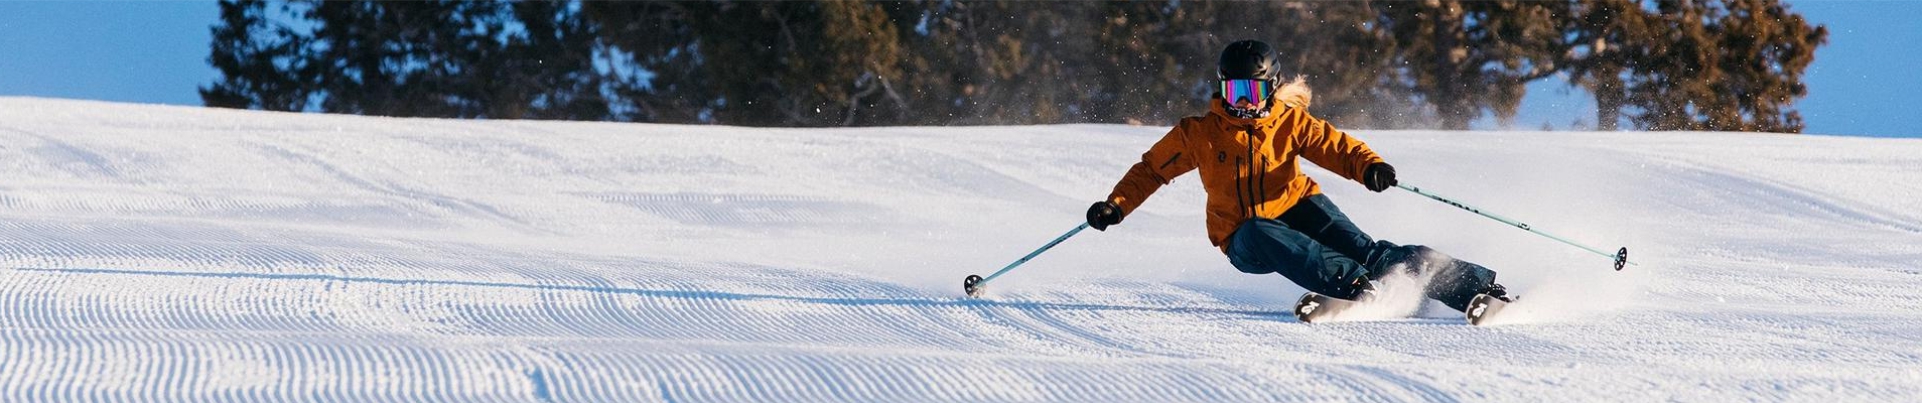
1220	163
1233	157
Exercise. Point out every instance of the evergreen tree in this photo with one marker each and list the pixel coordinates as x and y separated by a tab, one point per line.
1466	57
417	58
414	58
259	61
1660	64
1602	32
664	80
1731	65
1743	70
545	70
758	63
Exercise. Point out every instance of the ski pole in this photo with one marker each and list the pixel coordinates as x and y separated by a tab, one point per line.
973	284
1620	256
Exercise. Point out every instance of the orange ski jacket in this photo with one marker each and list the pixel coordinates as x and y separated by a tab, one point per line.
1248	166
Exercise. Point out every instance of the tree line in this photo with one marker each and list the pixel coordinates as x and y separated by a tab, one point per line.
1732	65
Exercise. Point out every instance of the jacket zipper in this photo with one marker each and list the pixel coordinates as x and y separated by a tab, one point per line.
1254	206
1262	181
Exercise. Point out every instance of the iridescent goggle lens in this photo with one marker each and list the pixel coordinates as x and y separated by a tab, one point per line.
1237	90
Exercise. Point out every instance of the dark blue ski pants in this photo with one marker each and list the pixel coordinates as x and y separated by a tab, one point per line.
1320	249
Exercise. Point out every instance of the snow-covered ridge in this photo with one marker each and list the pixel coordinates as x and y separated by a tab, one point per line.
169	253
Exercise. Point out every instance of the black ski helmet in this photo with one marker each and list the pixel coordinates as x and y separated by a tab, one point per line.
1248	59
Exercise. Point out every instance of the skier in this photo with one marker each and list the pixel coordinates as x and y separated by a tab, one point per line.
1263	212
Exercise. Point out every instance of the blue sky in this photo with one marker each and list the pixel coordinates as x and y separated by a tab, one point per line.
148	51
1862	82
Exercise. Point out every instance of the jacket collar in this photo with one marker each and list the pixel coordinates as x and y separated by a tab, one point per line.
1219	108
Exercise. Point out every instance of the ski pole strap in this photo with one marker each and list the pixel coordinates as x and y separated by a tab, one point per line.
1031	255
1619	256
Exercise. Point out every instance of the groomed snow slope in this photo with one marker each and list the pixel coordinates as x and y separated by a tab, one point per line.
172	253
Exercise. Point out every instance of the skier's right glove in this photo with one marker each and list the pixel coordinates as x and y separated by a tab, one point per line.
1103	214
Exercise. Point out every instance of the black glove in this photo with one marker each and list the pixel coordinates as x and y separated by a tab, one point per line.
1379	176
1103	214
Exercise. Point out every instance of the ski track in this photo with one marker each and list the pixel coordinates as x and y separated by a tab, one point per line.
185	254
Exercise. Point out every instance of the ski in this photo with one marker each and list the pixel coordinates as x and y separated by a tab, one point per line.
1483	308
1315	308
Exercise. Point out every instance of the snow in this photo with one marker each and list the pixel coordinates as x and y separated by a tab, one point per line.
170	253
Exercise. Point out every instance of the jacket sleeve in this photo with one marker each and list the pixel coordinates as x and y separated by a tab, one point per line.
1167	159
1340	153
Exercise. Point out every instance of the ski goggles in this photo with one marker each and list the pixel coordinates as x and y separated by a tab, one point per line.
1253	91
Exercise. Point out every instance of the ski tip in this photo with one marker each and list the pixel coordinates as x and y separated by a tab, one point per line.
1312	308
1484	307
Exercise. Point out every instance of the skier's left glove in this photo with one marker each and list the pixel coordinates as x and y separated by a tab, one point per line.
1379	176
1103	214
